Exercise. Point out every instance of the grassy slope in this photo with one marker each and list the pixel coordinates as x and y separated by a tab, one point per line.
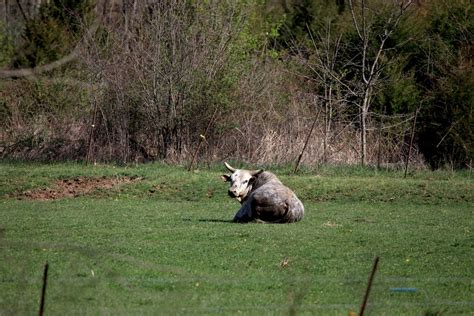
164	245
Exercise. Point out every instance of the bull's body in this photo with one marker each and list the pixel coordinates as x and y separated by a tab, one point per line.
263	198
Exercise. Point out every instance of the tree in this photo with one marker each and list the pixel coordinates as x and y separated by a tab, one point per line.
372	35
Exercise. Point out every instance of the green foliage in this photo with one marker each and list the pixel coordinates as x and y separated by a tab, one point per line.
165	244
300	18
400	93
69	13
447	122
51	33
440	63
7	48
452	22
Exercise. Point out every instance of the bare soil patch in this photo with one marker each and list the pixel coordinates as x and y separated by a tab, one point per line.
74	187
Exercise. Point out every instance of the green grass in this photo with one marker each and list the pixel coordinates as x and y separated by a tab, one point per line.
165	246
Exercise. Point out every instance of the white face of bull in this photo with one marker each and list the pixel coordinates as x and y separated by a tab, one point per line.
240	181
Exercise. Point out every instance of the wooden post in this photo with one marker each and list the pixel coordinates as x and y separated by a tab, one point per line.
306	143
91	134
201	139
411	143
369	286
379	149
43	291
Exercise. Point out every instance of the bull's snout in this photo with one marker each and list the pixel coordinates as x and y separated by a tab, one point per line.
232	194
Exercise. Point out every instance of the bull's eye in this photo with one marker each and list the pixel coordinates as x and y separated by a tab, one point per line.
246	181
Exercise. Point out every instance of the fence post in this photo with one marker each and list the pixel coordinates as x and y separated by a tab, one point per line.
369	286
306	142
411	142
201	139
43	291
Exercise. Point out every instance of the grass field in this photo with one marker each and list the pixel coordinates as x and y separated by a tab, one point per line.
164	244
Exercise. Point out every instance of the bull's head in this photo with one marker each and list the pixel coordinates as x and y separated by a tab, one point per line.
241	181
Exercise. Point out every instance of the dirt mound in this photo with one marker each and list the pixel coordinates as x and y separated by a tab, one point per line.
74	187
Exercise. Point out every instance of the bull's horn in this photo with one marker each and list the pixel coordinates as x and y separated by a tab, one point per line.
256	172
231	169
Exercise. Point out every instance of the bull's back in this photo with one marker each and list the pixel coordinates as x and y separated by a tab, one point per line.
275	203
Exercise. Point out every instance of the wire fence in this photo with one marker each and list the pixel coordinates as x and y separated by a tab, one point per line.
181	294
84	284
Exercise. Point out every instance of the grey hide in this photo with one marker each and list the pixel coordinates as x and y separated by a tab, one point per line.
263	197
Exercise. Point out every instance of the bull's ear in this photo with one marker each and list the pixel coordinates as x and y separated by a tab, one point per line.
254	174
252	180
225	178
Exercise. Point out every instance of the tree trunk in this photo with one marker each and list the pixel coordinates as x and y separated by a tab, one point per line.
379	149
363	137
363	127
327	122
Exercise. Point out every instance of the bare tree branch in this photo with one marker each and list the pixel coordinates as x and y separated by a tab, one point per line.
354	20
31	72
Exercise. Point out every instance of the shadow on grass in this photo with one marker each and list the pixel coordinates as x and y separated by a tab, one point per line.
213	220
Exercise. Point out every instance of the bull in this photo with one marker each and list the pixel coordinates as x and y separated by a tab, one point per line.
263	197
